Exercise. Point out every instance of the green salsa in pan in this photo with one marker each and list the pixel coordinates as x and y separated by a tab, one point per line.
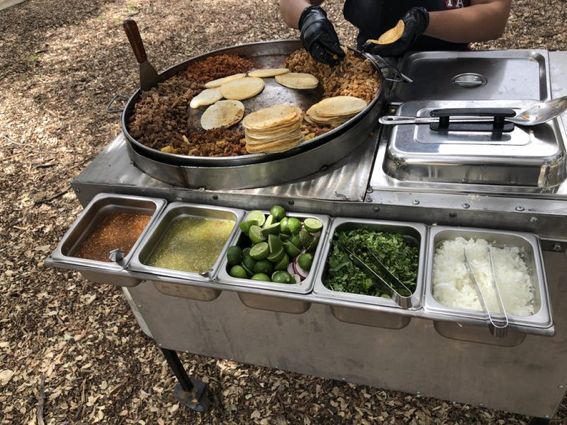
191	244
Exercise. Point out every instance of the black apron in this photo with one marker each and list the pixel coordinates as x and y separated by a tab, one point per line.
374	17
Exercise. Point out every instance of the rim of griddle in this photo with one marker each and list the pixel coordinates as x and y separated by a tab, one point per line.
222	161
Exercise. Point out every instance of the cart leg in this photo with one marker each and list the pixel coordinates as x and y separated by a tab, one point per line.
190	392
540	421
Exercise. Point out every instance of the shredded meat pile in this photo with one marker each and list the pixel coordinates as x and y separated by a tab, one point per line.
354	76
161	118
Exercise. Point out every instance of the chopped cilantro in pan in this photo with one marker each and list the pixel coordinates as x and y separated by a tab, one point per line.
399	255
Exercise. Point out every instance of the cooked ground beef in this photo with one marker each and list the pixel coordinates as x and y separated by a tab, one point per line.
214	67
161	118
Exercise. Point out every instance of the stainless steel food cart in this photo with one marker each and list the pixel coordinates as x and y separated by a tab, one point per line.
512	184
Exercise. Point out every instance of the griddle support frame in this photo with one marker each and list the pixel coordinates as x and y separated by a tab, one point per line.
189	391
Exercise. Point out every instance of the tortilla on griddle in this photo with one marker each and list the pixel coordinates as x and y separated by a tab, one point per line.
219	82
243	88
298	80
267	72
335	110
338	106
224	113
205	98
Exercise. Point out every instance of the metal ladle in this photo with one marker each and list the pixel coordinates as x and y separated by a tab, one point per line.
536	114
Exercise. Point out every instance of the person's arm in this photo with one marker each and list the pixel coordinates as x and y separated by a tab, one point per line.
291	10
482	21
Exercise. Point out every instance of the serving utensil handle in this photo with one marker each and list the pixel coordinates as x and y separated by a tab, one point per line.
133	34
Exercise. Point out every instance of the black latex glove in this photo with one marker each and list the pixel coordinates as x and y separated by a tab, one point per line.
319	37
416	21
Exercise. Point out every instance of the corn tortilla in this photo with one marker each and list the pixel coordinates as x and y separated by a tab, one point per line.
224	113
272	117
205	98
268	72
219	82
338	106
243	88
298	80
392	35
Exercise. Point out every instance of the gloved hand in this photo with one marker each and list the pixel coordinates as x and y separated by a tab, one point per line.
416	21
319	37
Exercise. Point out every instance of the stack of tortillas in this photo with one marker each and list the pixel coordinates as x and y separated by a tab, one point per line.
273	129
334	111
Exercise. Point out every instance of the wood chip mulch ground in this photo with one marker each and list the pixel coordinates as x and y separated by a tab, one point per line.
70	351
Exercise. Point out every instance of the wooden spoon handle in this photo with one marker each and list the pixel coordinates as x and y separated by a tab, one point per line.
131	29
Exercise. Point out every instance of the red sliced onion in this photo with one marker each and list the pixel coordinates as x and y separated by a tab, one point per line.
291	271
299	270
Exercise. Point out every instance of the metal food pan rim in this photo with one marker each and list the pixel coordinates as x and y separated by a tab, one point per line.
136	264
541	320
303	288
242	159
321	290
58	258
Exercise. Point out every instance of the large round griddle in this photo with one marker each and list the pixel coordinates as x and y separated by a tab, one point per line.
255	170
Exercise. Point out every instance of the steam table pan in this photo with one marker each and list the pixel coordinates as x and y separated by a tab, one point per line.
87	222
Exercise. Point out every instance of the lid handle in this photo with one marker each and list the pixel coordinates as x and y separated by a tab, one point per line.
497	126
469	80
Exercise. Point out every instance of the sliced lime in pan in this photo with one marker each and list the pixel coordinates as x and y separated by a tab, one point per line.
258	216
260	251
312	225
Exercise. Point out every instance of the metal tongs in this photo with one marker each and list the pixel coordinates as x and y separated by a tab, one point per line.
381	63
405	300
498	327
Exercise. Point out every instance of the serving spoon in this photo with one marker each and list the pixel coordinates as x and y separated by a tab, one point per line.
536	114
